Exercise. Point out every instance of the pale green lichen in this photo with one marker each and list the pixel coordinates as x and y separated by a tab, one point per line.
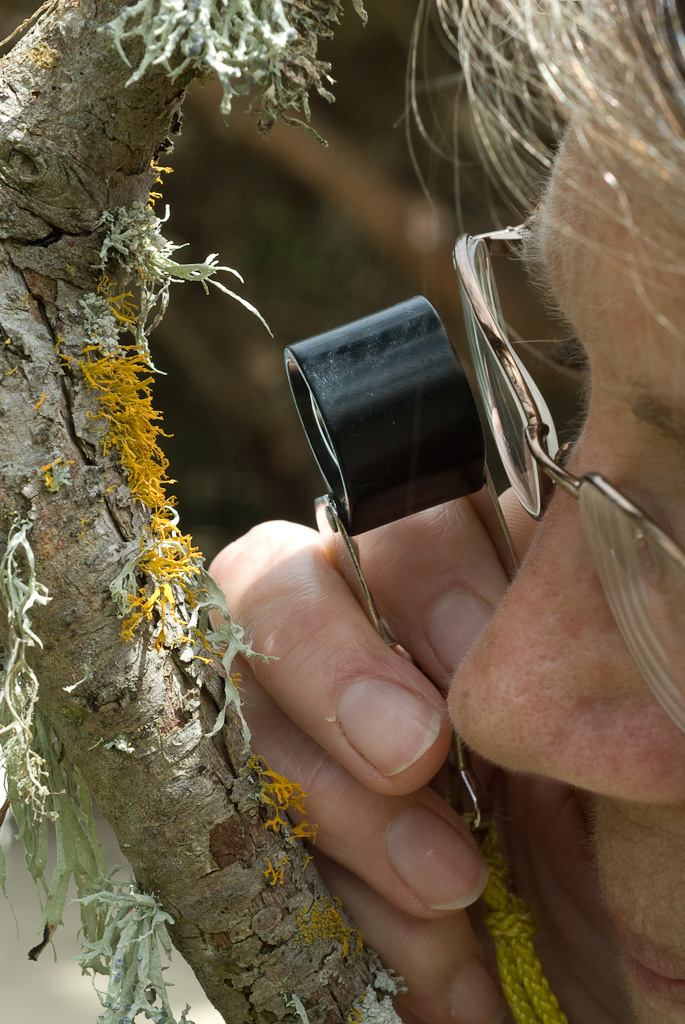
134	928
56	474
99	322
45	790
385	979
69	817
134	241
296	1003
20	593
374	1006
369	1009
268	46
225	640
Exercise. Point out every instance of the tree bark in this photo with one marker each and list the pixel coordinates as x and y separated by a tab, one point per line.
74	142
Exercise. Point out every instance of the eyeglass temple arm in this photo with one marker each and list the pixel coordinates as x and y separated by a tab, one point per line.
503	242
535	439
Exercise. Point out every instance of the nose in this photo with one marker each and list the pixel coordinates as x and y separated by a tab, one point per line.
551	689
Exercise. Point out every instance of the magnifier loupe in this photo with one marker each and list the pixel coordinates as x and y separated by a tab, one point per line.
390	418
389	414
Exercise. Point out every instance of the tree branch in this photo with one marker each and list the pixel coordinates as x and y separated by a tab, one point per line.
185	806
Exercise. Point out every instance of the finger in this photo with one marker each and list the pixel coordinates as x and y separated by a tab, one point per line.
416	852
437	579
440	961
518	528
373	711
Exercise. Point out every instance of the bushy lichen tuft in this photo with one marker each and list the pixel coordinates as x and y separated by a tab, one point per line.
135	243
134	927
269	47
20	593
44	789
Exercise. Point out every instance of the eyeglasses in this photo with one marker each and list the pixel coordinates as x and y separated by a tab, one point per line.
642	571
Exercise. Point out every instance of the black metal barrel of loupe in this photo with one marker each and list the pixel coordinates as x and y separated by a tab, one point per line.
390	418
389	414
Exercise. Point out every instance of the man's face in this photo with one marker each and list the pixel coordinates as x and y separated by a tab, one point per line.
551	689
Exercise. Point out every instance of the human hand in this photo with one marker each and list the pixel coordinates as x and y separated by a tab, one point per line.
364	731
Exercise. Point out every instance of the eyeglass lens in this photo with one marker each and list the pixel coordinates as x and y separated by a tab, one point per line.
645	589
643	583
502	407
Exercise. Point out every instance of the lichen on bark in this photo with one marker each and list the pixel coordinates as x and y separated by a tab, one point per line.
135	717
268	49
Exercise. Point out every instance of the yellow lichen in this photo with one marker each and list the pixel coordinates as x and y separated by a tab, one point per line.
122	380
122	306
177	589
274	875
324	921
41	400
154	196
42	55
280	793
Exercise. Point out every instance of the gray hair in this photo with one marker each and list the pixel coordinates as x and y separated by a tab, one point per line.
614	68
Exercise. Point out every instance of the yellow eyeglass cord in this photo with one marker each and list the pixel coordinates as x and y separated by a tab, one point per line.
511	925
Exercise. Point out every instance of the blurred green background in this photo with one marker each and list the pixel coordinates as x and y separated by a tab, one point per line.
321	236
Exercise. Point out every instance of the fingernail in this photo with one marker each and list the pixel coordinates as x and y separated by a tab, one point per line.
454	624
474	997
438	864
386	724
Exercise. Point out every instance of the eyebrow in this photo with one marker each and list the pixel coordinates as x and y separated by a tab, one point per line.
668	419
646	405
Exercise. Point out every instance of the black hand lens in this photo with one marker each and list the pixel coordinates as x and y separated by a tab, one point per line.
389	414
392	423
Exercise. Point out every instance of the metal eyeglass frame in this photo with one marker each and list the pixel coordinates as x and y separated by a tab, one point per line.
505	242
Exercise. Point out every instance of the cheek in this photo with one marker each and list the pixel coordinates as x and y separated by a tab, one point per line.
551	689
640	857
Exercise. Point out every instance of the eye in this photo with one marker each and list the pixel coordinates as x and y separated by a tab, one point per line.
569	354
564	353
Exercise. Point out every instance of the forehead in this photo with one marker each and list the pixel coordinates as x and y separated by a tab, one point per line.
619	283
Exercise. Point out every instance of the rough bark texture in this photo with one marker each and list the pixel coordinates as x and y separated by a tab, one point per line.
74	142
